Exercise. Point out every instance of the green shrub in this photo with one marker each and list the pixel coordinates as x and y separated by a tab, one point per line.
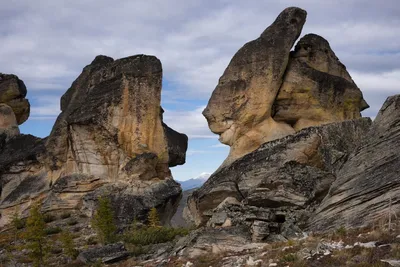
65	215
103	221
17	222
135	250
36	237
49	218
52	230
341	231
72	222
92	241
56	250
289	258
68	245
153	235
153	219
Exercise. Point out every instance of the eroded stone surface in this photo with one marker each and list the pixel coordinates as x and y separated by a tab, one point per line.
280	183
239	109
367	186
12	93
8	122
268	92
317	89
108	140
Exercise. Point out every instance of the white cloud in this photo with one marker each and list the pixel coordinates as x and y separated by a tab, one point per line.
191	122
194	152
194	39
219	146
381	82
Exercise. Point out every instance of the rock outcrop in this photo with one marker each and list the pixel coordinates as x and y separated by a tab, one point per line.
268	92
12	93
108	140
316	89
291	119
275	189
8	122
367	188
240	107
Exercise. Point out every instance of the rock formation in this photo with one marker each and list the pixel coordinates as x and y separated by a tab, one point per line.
316	89
268	92
240	107
291	119
278	186
14	108
367	186
108	140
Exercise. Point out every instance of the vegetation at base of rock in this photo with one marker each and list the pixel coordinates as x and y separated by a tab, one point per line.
341	231
103	221
72	222
153	219
35	236
68	245
65	215
52	230
153	233
49	218
17	222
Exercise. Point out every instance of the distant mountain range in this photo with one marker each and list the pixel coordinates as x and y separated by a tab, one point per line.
195	182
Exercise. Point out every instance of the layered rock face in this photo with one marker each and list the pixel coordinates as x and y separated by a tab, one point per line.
278	186
268	92
108	140
292	118
367	188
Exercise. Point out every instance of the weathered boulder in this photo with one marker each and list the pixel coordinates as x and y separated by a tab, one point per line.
107	254
367	187
8	122
268	92
108	140
280	183
240	107
317	89
12	93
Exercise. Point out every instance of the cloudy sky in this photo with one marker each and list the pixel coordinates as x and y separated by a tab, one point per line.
47	43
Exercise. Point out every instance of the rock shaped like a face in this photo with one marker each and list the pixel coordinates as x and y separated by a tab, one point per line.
114	107
12	93
108	140
241	104
317	89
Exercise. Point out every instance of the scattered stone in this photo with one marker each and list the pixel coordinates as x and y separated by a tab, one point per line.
366	245
106	254
252	262
395	263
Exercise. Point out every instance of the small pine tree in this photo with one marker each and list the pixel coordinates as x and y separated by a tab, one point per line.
68	245
153	218
36	236
103	221
17	224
